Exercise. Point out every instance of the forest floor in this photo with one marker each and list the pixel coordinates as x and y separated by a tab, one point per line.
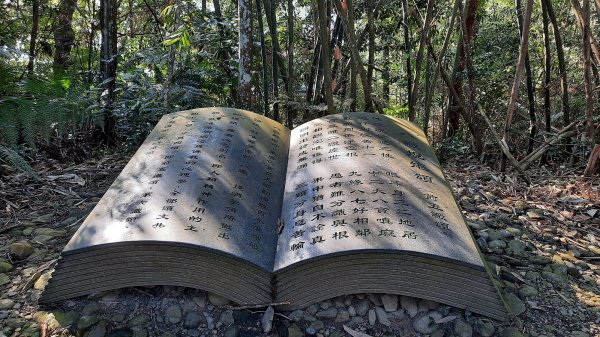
542	243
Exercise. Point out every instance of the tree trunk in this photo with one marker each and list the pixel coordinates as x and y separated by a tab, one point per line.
223	52
347	15
562	67
407	49
35	21
353	85
108	67
579	14
63	34
371	49
474	119
424	34
589	95
245	52
547	70
290	52
385	75
272	18
440	60
530	88
514	93
263	54
428	92
325	55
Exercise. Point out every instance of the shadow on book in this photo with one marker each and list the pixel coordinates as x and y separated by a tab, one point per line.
232	202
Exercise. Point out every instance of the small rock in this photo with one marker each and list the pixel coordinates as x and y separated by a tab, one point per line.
20	250
217	300
6	303
351	311
139	320
462	328
410	305
375	299
5	266
192	320
42	238
342	316
227	318
296	315
372	317
267	319
497	244
535	214
426	324
173	314
91	308
43	218
427	305
328	313
485	328
66	318
4	279
362	307
528	291
554	278
86	322
232	331
382	316
294	331
511	332
514	304
99	330
516	247
240	317
390	302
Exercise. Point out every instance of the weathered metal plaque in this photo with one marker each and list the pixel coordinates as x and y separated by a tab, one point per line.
207	177
363	181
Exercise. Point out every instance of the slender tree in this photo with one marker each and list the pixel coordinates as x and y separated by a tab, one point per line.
108	66
63	34
35	21
562	67
514	93
325	55
419	59
245	52
263	54
547	70
346	13
589	95
290	53
529	81
407	52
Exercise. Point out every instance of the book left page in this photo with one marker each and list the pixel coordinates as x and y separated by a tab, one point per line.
211	178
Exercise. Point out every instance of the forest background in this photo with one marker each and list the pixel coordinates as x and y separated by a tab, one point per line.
498	79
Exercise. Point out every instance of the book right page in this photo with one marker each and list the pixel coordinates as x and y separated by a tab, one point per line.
368	182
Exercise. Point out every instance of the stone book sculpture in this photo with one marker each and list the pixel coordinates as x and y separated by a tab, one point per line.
232	202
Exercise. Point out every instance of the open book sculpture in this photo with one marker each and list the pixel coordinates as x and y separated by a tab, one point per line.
234	203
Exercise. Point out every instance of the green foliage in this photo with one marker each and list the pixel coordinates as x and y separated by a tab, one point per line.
10	157
400	111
